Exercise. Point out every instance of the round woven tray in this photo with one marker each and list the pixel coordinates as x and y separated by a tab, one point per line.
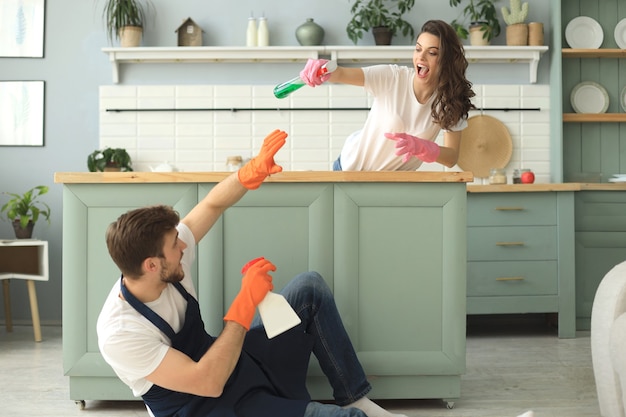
485	144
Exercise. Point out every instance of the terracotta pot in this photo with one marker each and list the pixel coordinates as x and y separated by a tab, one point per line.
130	36
476	36
535	34
517	34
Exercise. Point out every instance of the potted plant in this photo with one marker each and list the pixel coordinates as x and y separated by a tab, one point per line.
124	20
23	210
379	16
516	30
483	21
109	159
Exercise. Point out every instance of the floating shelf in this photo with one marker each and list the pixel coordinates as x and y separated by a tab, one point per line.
343	54
593	117
593	53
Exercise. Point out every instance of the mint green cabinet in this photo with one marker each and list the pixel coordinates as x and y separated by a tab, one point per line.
89	273
400	260
600	244
394	255
520	255
289	224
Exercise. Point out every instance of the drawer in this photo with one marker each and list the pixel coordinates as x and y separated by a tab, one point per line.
512	209
512	278
600	211
516	243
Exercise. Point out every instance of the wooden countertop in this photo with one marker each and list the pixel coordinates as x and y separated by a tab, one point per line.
288	176
328	176
567	186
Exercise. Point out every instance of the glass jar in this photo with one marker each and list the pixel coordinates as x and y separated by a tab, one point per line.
517	175
497	176
233	163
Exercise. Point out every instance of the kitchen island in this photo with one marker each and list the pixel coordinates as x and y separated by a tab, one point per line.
391	245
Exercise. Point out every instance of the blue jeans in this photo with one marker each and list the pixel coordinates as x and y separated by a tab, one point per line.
311	298
337	164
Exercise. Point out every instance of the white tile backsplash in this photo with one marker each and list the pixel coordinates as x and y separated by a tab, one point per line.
201	140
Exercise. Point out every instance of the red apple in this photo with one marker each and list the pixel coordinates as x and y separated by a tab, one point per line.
528	177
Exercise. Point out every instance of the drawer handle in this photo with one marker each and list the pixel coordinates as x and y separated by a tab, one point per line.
510	279
509	243
509	208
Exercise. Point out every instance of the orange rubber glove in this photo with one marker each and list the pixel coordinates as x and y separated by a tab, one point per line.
252	174
255	285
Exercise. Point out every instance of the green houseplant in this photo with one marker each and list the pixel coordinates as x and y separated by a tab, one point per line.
482	17
23	210
109	159
516	29
124	20
374	14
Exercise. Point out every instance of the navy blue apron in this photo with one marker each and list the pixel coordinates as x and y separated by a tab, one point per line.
268	381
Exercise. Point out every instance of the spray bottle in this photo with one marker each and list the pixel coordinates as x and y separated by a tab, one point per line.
288	87
276	313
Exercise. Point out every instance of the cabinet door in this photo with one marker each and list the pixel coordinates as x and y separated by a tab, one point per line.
596	254
289	224
600	244
89	273
400	268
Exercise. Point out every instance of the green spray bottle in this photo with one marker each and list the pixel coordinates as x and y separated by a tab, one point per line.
288	87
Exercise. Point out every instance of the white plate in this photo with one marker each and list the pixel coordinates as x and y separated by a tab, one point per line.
620	33
624	98
617	179
589	97
584	32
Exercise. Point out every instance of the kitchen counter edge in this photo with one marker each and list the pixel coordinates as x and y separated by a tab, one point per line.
282	177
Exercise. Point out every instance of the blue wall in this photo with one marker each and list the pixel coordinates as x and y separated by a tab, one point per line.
74	67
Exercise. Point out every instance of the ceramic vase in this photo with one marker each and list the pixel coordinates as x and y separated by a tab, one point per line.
310	33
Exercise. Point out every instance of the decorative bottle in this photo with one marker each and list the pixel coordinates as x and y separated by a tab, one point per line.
251	33
263	34
310	33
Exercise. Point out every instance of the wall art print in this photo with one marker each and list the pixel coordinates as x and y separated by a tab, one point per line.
21	113
22	28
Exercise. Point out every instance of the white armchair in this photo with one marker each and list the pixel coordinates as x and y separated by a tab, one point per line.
608	342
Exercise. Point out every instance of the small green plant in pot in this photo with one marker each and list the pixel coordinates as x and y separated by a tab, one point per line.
483	21
125	20
24	210
109	159
376	14
517	29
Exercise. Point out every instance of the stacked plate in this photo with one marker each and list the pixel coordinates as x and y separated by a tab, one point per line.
620	33
589	97
583	32
586	33
618	178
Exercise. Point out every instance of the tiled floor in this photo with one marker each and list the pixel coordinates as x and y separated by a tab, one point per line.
511	368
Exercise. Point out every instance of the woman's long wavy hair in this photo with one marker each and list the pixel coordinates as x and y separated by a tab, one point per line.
453	94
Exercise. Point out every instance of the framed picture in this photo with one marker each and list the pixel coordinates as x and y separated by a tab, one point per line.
22	28
21	113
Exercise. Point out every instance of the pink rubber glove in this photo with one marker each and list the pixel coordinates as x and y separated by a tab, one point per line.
313	74
409	146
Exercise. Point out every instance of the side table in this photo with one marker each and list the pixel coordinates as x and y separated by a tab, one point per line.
25	259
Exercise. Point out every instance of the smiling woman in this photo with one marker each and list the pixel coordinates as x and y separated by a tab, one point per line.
433	95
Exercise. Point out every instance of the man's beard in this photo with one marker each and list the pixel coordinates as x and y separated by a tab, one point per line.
171	276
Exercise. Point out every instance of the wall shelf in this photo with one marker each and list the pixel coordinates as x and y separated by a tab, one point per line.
343	54
593	117
593	53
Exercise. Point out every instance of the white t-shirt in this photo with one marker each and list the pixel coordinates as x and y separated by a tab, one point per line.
132	345
394	109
